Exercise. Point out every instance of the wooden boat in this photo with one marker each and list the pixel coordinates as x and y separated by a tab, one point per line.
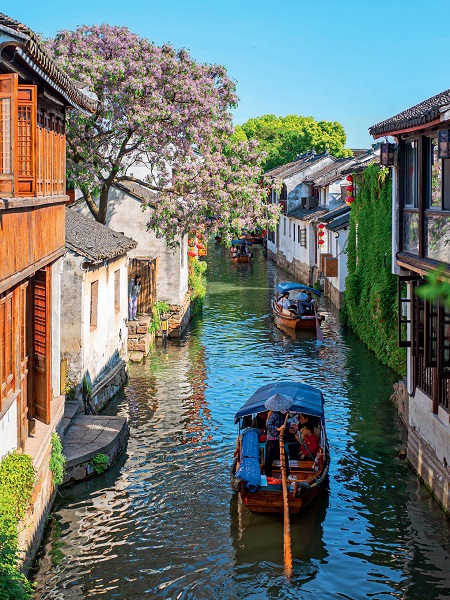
289	318
263	494
241	259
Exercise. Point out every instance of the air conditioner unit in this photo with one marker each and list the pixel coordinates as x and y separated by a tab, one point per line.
311	202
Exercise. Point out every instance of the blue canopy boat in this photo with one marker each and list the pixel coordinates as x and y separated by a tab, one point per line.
292	318
264	494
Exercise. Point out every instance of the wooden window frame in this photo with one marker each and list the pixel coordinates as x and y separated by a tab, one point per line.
93	315
117	290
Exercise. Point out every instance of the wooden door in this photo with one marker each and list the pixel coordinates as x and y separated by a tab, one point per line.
39	398
147	269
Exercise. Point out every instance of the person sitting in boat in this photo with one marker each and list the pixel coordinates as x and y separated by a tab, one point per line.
234	251
310	304
309	446
275	424
244	250
259	422
283	301
301	298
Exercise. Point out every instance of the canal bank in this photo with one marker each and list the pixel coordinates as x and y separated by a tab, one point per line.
163	522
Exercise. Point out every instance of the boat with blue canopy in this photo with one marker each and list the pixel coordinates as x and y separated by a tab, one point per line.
240	252
294	313
304	448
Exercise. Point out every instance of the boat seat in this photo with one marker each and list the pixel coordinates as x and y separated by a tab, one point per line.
302	465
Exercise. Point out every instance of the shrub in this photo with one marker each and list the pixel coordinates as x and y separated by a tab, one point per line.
100	463
57	460
159	309
16	489
196	283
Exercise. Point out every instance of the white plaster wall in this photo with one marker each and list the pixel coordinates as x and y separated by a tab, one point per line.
57	268
71	316
337	245
107	342
290	248
296	188
8	430
433	429
125	215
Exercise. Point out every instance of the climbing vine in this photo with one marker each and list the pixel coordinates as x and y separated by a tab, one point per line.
16	489
196	282
370	298
57	460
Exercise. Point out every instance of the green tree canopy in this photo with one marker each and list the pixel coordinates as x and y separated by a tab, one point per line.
283	138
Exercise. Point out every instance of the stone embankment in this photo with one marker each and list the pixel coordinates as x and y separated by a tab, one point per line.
86	436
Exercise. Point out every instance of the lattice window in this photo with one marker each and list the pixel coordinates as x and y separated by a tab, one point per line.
5	136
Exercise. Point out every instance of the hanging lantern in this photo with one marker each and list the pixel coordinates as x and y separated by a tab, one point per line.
349	178
387	154
320	242
321	226
350	189
321	233
200	245
349	201
192	253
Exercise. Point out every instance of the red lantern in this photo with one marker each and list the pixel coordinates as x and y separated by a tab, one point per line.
350	189
349	201
321	233
321	226
200	245
192	253
349	178
320	242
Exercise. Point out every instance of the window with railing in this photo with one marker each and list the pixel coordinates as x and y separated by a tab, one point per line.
32	143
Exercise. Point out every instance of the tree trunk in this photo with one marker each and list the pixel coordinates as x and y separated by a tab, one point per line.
103	204
91	204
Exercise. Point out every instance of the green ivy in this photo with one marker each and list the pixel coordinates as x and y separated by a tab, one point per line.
100	463
370	298
196	283
16	490
159	309
57	460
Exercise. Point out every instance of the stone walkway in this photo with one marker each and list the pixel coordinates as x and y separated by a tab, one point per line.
89	435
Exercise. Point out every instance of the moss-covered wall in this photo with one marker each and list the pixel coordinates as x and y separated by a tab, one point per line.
370	298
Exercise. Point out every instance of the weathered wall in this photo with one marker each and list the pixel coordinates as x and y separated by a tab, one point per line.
105	344
71	316
8	428
125	215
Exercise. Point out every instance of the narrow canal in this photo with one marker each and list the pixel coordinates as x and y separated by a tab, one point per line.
163	522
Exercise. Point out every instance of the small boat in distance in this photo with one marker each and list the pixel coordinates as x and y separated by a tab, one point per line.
240	251
291	318
258	492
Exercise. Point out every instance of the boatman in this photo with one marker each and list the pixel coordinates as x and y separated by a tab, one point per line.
301	298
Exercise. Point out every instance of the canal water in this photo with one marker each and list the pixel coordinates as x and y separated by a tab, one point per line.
163	522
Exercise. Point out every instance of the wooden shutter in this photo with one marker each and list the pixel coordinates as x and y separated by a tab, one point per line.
402	306
117	290
8	135
26	140
94	304
40	143
41	345
7	357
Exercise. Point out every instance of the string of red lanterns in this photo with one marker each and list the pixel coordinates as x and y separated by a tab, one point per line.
350	189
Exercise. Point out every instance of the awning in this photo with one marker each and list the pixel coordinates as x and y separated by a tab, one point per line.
289	286
307	399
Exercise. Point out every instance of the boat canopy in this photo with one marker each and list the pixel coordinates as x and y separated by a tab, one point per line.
243	241
289	286
307	399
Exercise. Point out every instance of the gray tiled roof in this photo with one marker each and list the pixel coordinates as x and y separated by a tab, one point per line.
339	222
97	242
304	214
359	165
336	212
140	192
31	48
297	166
417	115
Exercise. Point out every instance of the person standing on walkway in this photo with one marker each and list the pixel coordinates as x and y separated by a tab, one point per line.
134	290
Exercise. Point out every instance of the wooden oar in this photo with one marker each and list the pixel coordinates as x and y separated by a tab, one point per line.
287	524
319	332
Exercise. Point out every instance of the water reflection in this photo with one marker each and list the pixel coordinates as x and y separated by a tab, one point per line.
163	523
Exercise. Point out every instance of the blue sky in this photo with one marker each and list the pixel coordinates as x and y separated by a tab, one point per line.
356	62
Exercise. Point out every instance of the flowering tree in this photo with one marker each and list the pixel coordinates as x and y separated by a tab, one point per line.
159	107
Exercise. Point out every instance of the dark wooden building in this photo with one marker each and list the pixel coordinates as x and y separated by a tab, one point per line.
421	242
34	97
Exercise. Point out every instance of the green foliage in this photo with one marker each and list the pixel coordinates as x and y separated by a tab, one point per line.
370	298
196	283
100	463
16	489
159	309
57	460
436	288
283	138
